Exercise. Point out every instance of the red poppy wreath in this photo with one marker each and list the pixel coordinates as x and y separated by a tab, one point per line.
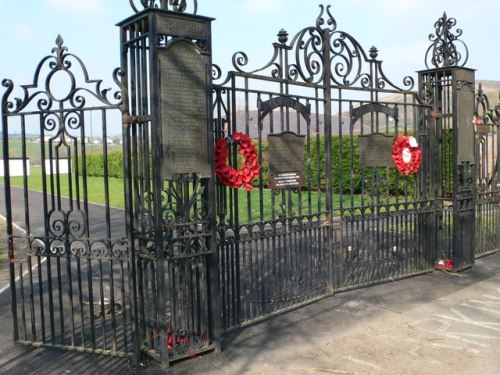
236	178
406	154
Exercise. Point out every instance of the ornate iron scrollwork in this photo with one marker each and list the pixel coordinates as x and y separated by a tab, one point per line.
71	67
347	64
483	109
179	6
445	48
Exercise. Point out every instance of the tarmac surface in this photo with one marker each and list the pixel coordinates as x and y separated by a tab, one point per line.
437	323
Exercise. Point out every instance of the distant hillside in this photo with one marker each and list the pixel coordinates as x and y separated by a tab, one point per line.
298	124
490	88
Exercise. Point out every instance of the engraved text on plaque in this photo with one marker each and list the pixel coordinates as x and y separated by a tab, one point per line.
184	117
286	160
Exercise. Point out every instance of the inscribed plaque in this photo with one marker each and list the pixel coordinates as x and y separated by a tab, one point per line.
286	180
183	110
465	97
375	150
286	159
483	128
286	152
176	26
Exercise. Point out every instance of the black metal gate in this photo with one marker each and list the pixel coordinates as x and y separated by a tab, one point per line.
333	214
188	258
71	272
487	127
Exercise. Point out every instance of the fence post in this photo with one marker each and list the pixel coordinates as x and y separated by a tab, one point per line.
452	86
167	55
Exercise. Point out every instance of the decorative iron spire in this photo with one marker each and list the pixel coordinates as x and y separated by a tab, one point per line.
179	6
446	49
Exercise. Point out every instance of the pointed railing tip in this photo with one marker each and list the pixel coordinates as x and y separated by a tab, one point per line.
59	40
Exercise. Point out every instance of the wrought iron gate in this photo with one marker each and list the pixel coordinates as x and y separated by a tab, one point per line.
190	258
341	217
487	126
71	273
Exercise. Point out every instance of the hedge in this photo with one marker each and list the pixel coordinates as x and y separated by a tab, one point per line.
95	164
344	159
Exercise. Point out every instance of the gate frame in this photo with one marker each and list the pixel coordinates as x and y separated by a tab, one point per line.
66	237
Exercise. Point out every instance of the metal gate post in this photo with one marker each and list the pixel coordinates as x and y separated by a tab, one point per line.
167	55
8	218
452	90
327	95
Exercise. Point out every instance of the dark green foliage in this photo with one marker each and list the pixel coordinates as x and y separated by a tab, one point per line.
347	178
95	164
115	164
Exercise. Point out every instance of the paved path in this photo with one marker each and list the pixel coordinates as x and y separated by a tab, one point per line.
97	214
437	323
97	221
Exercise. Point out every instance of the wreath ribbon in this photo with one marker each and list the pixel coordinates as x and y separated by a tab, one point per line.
406	155
236	178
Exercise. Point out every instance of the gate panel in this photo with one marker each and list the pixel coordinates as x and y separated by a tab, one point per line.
70	280
384	218
487	123
349	224
272	242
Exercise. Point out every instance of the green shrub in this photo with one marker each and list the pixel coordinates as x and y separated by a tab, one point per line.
347	178
94	164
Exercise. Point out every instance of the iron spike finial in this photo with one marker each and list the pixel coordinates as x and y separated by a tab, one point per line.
282	36
330	21
373	52
446	50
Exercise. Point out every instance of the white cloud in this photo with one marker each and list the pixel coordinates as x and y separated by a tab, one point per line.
96	7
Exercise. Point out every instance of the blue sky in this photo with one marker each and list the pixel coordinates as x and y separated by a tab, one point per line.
398	28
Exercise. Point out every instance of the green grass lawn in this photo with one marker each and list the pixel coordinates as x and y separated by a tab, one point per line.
246	201
250	208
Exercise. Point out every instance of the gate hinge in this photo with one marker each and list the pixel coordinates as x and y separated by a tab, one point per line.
435	115
127	119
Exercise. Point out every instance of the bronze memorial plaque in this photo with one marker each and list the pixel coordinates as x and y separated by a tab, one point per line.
375	150
184	116
286	160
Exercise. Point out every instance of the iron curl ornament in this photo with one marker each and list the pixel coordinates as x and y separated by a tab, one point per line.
236	178
179	6
446	49
406	155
